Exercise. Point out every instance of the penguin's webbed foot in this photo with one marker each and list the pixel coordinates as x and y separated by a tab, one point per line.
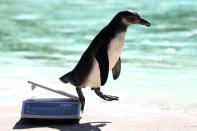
81	98
105	97
111	98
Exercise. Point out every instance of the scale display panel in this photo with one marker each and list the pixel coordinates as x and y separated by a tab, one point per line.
45	108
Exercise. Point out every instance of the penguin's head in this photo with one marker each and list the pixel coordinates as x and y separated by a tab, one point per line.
130	17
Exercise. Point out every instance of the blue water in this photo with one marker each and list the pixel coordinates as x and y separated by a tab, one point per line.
43	39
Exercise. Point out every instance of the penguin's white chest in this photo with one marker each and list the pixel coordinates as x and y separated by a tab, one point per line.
115	48
114	51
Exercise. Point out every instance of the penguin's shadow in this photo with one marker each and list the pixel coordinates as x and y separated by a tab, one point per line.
61	125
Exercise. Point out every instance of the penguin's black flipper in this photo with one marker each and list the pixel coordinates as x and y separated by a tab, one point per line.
102	58
116	69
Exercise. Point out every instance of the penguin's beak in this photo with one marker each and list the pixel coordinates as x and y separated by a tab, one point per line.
144	22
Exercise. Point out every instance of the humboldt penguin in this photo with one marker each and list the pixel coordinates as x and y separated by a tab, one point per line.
102	56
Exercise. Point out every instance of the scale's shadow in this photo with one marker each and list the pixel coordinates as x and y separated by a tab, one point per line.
61	125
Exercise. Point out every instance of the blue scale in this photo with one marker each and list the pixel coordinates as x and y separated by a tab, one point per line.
51	108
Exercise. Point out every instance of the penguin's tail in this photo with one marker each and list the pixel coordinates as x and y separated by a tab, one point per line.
69	77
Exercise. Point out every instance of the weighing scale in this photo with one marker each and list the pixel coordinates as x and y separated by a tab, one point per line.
51	108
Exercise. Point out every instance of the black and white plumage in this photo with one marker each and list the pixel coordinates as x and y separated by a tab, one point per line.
102	56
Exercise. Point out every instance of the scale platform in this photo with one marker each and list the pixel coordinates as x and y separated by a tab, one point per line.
51	108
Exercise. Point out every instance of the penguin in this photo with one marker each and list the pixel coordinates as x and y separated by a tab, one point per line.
103	56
